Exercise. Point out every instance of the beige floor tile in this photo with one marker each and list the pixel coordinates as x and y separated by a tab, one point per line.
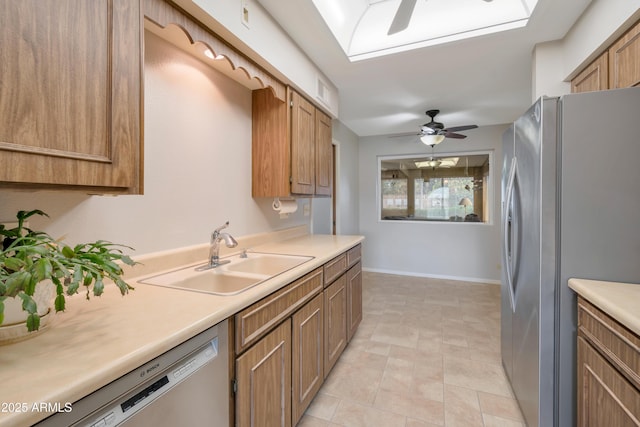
477	375
323	406
500	406
412	406
493	421
310	421
353	382
427	389
351	414
378	348
427	353
418	423
393	334
461	407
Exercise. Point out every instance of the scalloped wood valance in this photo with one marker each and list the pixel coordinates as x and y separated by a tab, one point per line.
164	15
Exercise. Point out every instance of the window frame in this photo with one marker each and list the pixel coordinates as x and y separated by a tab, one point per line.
489	186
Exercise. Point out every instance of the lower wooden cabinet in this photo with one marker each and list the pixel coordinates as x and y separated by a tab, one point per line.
605	397
307	357
335	323
286	343
354	299
263	381
608	371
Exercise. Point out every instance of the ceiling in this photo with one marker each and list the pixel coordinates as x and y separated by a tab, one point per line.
483	80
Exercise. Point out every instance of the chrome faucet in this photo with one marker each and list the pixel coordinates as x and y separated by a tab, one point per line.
214	248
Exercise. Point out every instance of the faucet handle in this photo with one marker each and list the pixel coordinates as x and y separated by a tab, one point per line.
222	227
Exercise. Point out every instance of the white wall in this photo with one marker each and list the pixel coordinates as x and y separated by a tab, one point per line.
197	167
348	188
265	42
464	251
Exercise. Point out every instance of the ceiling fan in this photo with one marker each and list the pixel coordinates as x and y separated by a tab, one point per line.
403	16
437	128
433	133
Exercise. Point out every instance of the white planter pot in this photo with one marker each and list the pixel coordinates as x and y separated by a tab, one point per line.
14	327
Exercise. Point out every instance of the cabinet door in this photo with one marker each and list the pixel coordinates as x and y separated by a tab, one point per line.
605	398
335	322
70	94
594	77
270	146
354	299
324	154
263	374
624	60
303	145
308	357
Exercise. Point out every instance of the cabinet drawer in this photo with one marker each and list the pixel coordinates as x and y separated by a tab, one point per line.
256	320
334	268
616	343
353	255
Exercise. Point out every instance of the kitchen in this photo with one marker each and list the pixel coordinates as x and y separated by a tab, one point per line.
194	184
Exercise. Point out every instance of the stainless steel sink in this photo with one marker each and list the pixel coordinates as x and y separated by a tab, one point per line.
232	278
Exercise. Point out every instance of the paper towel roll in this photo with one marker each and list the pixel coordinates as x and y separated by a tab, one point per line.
285	207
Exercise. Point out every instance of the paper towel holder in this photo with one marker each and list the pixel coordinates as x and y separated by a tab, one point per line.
285	207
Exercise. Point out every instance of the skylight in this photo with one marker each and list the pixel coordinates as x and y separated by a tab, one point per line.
361	26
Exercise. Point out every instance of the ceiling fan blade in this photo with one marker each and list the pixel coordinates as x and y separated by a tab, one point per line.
460	128
403	16
403	135
454	135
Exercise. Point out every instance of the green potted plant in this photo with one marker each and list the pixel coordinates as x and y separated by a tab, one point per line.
32	259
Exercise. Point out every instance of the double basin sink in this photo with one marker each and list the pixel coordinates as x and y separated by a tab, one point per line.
243	271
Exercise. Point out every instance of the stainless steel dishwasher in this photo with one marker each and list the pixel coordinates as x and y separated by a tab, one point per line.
186	386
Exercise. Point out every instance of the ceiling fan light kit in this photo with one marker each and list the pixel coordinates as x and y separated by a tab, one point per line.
431	140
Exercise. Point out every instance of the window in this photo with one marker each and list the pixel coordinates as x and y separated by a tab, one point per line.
452	188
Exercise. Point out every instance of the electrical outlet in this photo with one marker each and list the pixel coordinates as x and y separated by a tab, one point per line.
245	12
306	210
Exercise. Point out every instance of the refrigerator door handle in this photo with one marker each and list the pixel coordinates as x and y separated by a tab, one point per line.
507	232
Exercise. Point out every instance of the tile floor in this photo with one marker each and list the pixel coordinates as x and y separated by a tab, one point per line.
427	353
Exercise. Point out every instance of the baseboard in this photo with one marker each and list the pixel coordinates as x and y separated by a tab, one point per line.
433	276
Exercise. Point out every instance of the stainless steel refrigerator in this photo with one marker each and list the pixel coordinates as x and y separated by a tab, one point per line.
570	208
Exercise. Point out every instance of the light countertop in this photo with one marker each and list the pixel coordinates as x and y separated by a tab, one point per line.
95	342
621	301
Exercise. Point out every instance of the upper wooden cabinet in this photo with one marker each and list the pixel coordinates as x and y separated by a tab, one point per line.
324	154
71	94
303	145
617	67
624	60
594	77
291	150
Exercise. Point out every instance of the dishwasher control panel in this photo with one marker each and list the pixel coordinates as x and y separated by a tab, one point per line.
125	407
